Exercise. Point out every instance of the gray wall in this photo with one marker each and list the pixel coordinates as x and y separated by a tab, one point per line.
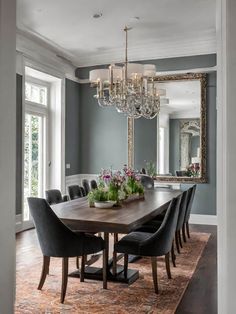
103	141
100	128
170	64
95	136
72	136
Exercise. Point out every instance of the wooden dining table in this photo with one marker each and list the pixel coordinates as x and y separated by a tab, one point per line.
78	215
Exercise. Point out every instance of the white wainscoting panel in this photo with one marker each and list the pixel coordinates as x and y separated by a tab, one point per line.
77	179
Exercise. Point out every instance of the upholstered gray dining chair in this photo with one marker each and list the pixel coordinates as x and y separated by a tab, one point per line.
151	244
75	192
155	223
86	186
83	191
147	182
93	184
191	194
57	240
181	173
180	223
54	196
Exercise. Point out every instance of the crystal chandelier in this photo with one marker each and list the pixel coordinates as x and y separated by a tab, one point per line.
130	87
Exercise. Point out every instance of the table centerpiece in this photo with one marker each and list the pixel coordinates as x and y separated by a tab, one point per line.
115	187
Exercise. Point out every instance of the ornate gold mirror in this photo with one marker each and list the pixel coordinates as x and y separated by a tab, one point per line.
172	147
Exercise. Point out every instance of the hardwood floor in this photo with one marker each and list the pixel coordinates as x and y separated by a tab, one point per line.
200	296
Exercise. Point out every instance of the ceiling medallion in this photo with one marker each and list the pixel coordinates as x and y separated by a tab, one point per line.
130	87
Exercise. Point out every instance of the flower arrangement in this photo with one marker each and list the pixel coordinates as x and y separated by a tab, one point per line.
193	170
116	186
133	184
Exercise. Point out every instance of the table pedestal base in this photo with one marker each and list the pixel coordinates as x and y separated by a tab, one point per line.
95	273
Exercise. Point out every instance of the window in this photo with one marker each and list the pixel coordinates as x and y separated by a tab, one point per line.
36	93
35	139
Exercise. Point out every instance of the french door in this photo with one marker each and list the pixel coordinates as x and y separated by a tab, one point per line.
34	163
35	143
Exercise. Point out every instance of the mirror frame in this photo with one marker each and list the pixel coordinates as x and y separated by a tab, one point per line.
202	77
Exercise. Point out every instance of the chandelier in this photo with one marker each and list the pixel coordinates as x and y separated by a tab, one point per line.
129	87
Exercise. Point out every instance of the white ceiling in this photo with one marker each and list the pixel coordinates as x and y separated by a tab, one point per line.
184	98
165	28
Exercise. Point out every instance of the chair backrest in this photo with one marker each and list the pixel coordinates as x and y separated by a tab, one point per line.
191	194
147	182
83	191
93	184
75	192
181	173
182	210
86	186
54	237
160	242
143	171
53	196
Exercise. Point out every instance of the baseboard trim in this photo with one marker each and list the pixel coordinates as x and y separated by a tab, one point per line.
18	223
22	225
203	219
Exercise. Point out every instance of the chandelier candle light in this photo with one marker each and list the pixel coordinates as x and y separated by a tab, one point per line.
130	87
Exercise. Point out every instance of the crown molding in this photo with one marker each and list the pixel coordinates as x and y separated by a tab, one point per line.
41	52
166	48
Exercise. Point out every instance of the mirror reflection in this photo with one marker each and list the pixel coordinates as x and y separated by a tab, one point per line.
171	144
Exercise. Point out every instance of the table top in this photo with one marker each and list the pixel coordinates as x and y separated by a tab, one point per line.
123	219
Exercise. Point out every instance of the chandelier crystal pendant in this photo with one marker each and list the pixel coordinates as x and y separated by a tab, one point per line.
130	87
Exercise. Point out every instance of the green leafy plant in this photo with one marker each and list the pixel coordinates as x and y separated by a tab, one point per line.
133	184
151	168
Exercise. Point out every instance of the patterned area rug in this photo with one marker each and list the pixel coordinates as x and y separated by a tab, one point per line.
89	297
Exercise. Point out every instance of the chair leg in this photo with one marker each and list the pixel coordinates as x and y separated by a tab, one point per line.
104	270
45	271
177	242
126	261
187	227
179	237
154	273
114	264
183	233
173	257
77	262
64	278
167	260
105	259
83	259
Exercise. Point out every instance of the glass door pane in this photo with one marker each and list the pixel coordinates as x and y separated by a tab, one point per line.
33	161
